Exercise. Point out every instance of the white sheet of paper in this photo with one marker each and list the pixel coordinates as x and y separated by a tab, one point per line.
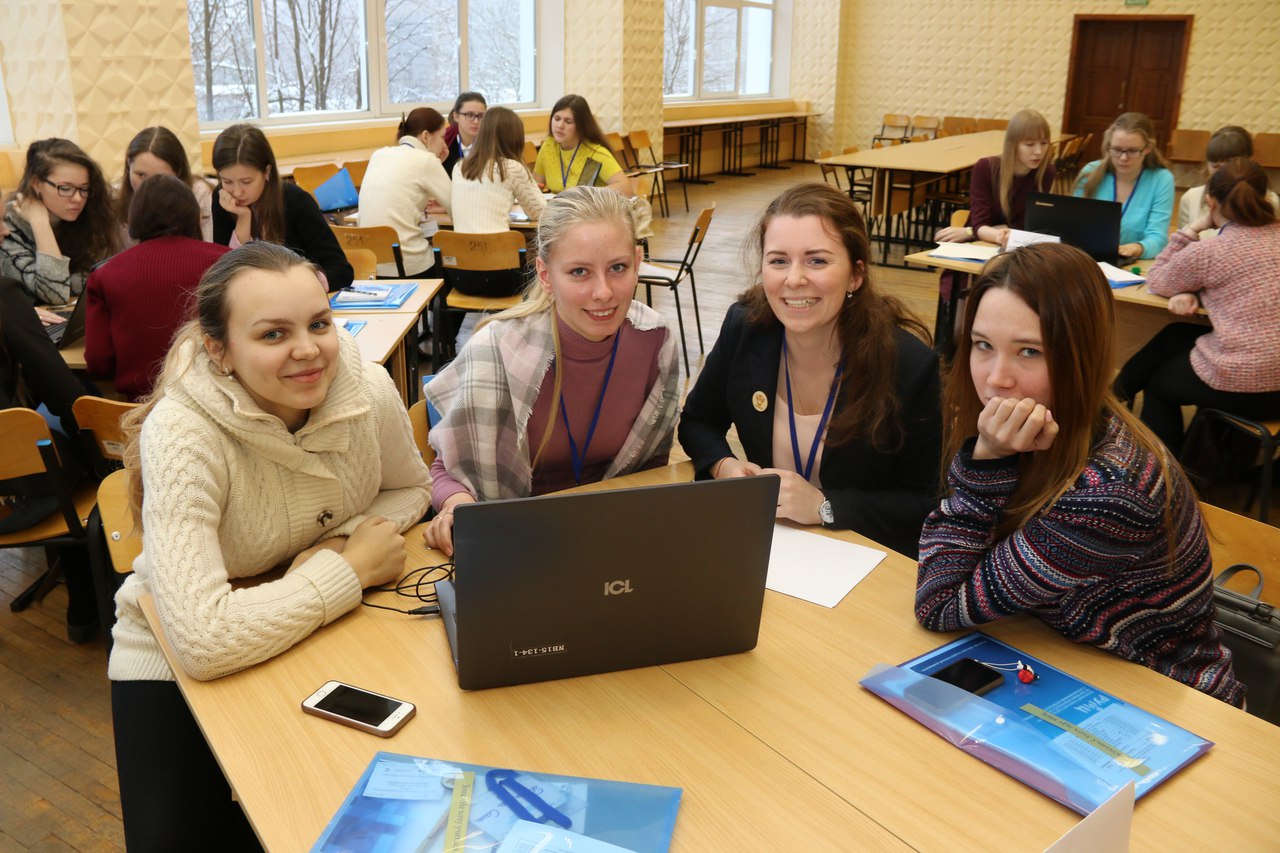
1104	830
817	568
1118	276
964	252
1026	238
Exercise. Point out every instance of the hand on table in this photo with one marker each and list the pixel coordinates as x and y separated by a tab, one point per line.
731	466
798	499
1007	426
1184	304
48	317
953	235
1002	236
1130	251
439	532
376	551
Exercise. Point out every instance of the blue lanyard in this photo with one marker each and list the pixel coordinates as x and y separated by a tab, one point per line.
806	470
578	459
564	172
1115	192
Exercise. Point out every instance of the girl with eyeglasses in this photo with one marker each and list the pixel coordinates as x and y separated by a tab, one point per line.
464	126
60	223
1134	173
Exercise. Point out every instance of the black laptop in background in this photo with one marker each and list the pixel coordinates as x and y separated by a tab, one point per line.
566	585
1089	224
69	331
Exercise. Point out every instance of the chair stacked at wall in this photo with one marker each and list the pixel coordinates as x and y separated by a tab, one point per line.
670	273
1266	150
958	125
635	171
894	126
1187	146
482	273
1206	432
310	177
985	124
925	126
640	144
28	451
382	240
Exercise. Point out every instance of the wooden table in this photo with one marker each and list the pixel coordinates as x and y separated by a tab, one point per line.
776	749
393	339
689	131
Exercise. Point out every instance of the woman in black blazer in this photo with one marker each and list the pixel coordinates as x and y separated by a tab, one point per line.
252	203
828	382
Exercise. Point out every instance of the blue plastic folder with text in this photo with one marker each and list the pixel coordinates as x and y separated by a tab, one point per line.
1063	737
365	297
404	804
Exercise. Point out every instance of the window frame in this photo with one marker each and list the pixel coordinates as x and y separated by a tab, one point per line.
779	56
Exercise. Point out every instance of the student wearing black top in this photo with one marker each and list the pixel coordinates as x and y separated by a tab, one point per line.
252	203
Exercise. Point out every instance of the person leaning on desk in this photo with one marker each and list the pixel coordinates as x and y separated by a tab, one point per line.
1134	173
269	440
829	383
575	139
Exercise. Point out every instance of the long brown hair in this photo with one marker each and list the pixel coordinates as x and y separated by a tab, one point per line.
210	313
1126	123
584	123
1069	294
1025	126
866	324
1240	189
94	235
160	142
247	145
500	138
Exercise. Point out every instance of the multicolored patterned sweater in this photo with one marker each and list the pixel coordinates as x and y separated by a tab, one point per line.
1093	566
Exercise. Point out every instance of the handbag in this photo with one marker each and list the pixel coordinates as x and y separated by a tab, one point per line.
1251	630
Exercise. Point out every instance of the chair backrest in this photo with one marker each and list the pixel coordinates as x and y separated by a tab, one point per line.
828	171
122	533
620	150
696	237
1236	539
852	149
310	177
992	124
99	420
482	265
364	263
28	449
921	137
1266	150
356	169
959	124
897	121
530	154
959	218
1187	144
929	125
382	240
640	139
421	426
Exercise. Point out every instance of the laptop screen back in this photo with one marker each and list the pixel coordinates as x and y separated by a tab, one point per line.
1089	224
337	193
568	585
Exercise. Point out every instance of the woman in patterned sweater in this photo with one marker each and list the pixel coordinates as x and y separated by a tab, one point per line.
1235	364
1061	503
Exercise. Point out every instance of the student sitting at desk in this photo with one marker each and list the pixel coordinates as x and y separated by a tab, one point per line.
493	177
157	151
999	186
574	385
254	204
575	139
1061	503
828	382
1235	363
138	299
1225	143
60	223
401	180
464	124
1134	173
268	442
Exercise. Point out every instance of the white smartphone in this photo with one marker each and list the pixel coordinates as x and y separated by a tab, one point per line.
361	709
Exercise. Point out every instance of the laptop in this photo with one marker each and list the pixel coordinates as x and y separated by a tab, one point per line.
590	174
338	193
1089	224
566	585
69	331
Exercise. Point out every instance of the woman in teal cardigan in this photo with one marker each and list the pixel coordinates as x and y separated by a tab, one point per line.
1133	173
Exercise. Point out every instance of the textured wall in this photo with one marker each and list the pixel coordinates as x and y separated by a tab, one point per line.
37	71
815	53
994	57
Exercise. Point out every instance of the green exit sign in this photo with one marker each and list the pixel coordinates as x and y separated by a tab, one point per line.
1135	2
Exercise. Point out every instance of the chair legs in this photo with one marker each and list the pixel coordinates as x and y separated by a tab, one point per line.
1261	488
41	586
697	317
675	291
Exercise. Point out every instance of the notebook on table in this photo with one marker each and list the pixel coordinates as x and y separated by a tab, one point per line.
1089	224
566	585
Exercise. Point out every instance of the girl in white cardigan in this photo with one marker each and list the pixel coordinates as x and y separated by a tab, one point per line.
267	442
492	177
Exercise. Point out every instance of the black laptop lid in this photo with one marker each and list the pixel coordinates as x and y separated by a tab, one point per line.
568	585
1090	224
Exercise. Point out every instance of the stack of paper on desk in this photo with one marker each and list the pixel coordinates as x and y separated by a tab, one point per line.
965	252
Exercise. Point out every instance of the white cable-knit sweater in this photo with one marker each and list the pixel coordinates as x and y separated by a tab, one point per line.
483	206
230	493
399	182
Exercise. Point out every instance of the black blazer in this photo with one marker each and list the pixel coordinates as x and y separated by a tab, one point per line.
305	231
454	157
884	496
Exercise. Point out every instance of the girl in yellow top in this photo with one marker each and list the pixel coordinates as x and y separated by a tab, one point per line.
576	139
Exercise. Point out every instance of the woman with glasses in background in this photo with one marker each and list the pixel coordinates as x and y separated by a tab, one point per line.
1134	173
464	124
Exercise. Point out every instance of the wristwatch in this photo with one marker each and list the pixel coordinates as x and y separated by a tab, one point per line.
826	514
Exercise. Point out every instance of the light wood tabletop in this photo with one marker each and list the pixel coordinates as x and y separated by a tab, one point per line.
948	154
776	749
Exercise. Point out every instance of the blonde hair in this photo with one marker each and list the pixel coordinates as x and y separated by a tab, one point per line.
571	208
1125	123
1025	126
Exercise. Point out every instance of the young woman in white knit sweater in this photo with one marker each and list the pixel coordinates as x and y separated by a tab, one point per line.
492	177
267	442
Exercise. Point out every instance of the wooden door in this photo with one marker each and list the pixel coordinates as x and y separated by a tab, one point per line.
1125	63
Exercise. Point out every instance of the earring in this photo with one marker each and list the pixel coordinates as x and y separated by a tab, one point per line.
225	371
848	294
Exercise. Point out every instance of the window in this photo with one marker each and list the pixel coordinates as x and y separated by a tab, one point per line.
718	48
347	58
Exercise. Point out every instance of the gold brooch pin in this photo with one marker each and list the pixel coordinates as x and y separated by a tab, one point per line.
760	401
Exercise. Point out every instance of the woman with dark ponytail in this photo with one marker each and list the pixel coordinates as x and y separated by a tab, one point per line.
1235	364
401	180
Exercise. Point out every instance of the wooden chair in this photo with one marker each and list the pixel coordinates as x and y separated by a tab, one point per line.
1062	164
1266	150
641	144
364	263
482	272
382	240
1187	146
660	272
1235	538
829	171
920	137
885	143
895	126
421	426
115	541
99	420
28	451
957	125
356	168
1265	433
530	154
861	181
985	124
926	125
310	177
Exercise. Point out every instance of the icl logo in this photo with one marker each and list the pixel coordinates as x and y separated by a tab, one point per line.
617	587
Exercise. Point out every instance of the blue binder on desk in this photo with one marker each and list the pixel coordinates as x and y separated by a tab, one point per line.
404	804
372	296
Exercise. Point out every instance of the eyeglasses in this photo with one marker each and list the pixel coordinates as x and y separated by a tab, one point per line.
67	191
472	116
1126	152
